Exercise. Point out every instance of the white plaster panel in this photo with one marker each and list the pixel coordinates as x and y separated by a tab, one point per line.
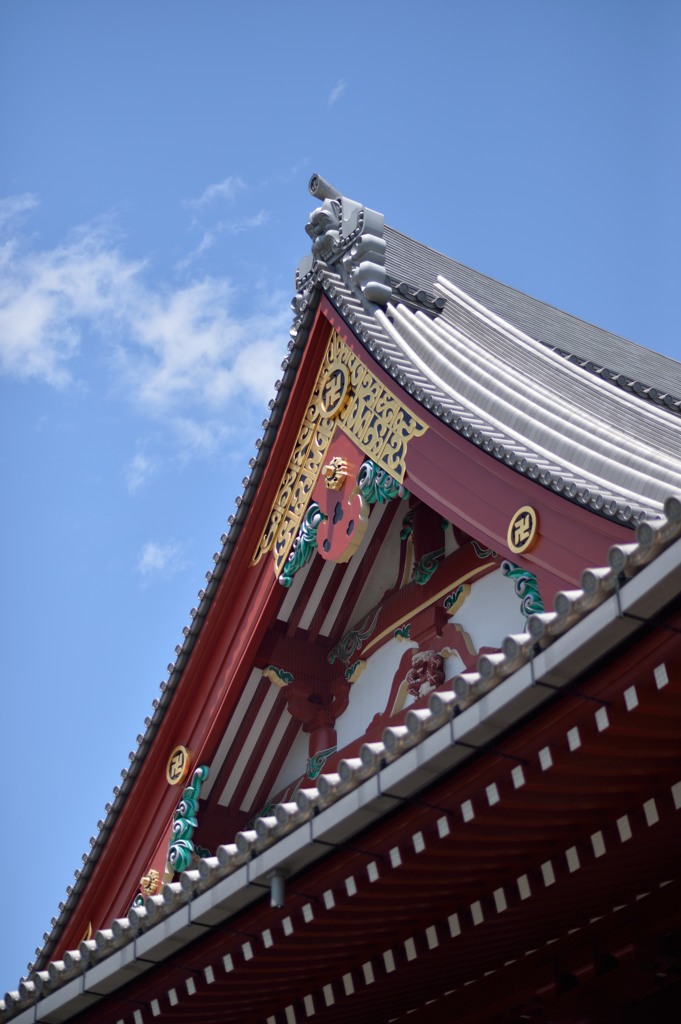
491	611
242	761
295	762
231	731
260	770
318	592
371	691
383	574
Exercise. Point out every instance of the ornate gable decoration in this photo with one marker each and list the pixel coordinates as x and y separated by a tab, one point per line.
347	232
347	396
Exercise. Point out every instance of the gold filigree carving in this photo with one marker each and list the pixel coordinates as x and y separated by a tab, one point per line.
346	396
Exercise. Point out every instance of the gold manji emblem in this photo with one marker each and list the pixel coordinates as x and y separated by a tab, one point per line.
334	390
177	769
522	530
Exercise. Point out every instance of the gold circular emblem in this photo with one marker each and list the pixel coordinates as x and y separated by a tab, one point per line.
522	530
334	391
177	768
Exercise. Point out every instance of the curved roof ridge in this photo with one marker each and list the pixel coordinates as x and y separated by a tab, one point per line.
496	406
419	265
525	352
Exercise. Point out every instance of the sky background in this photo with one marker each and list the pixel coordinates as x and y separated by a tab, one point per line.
154	160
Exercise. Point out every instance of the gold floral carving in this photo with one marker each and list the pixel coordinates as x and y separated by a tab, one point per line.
349	397
150	883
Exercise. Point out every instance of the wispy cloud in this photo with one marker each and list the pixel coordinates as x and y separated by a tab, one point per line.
180	354
159	560
224	227
224	190
45	296
12	206
138	471
336	92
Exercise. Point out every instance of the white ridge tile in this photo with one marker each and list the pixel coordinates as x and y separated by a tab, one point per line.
651	812
631	698
573	738
598	844
624	828
572	858
661	677
500	900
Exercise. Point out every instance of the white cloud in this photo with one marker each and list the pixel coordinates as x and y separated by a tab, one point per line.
45	296
188	348
159	560
138	471
12	206
179	354
226	190
336	92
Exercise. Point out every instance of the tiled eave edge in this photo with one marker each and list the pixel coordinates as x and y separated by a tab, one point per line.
622	380
612	603
360	316
304	316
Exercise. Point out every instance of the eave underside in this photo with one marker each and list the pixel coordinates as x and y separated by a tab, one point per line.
543	877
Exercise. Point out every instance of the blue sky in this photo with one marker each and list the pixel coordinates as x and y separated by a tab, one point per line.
155	158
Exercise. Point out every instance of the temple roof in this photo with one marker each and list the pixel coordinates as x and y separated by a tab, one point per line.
590	415
501	368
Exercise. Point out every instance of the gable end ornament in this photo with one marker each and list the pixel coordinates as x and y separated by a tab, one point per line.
345	231
349	398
